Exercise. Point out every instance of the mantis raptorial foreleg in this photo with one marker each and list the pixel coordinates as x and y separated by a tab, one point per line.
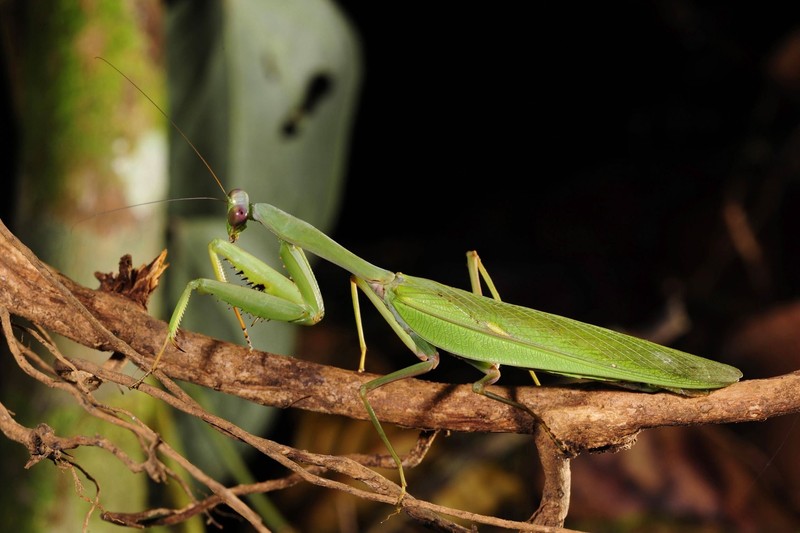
269	295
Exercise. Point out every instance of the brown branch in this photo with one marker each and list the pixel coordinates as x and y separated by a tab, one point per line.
43	443
583	420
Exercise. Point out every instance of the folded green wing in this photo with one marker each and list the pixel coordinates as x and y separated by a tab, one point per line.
484	329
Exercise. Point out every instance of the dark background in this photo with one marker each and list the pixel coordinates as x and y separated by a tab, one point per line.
585	151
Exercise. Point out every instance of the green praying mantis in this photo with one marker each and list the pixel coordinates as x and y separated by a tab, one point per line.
427	316
486	332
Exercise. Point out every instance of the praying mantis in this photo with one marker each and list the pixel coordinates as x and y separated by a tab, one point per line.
426	315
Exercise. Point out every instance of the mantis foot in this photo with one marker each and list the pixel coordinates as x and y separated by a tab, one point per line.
141	379
156	361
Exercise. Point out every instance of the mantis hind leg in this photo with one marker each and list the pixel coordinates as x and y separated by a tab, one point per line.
476	272
492	370
492	375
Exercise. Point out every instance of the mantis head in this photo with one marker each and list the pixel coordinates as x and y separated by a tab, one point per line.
238	213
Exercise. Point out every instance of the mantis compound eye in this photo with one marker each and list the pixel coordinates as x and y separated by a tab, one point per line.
238	212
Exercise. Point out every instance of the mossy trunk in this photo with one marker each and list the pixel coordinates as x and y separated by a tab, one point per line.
88	143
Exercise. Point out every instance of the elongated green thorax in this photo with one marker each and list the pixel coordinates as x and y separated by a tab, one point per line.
290	229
